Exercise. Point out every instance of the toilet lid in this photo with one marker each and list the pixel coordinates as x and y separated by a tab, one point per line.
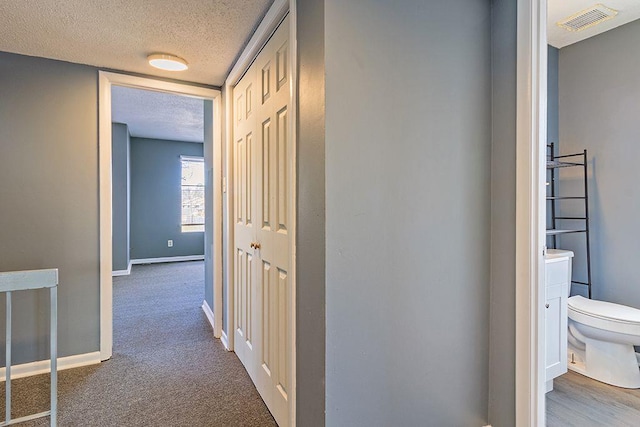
604	310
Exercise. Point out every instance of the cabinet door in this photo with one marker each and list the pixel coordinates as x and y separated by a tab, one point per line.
556	330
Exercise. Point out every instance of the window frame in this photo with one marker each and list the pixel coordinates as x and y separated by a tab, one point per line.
195	227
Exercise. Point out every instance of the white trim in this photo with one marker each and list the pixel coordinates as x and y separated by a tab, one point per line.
270	22
209	313
105	194
225	340
122	272
218	218
167	259
267	27
293	101
530	212
105	81
44	366
229	311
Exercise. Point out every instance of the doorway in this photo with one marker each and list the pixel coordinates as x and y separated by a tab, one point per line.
592	132
157	173
260	285
158	180
212	163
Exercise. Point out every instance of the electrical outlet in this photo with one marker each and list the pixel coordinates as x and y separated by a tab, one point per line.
170	243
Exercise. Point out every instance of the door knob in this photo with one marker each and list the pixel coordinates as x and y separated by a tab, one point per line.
253	245
546	305
256	245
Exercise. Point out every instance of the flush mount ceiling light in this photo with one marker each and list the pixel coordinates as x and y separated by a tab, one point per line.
167	62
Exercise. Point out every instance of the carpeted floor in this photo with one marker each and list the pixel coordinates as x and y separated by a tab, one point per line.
166	369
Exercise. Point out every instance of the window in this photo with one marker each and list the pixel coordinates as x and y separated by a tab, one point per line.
192	194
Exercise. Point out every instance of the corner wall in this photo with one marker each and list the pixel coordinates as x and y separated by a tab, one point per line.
208	236
553	134
310	216
120	187
553	55
502	368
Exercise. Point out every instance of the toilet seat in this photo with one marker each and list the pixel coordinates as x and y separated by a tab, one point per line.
604	315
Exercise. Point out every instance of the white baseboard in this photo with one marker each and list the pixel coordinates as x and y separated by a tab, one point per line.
44	366
168	259
225	340
209	313
122	272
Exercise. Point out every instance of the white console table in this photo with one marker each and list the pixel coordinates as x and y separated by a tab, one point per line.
24	281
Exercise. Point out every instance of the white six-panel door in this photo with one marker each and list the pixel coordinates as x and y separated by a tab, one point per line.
244	212
262	206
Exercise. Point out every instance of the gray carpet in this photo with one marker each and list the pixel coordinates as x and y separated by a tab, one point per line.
166	369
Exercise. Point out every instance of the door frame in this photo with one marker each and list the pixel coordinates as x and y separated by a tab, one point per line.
106	80
531	125
272	19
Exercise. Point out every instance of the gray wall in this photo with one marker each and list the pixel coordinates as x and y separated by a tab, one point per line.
599	106
156	199
408	146
553	55
502	384
49	199
208	236
120	179
310	214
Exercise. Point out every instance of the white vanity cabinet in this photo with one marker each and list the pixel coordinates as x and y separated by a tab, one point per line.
557	286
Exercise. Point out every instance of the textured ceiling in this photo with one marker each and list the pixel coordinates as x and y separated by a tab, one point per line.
558	10
119	34
158	115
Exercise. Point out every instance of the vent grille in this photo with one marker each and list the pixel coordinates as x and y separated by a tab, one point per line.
588	18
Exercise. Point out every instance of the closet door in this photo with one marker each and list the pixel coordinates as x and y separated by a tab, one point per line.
263	209
244	155
274	227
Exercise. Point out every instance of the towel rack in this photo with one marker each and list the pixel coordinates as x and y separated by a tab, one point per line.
23	281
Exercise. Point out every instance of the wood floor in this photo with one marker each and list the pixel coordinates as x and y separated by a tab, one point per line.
582	402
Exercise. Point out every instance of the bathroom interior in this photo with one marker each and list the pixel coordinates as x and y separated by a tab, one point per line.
592	312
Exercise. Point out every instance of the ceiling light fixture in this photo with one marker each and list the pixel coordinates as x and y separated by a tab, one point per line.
167	62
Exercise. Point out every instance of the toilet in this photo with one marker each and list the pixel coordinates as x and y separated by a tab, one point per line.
601	337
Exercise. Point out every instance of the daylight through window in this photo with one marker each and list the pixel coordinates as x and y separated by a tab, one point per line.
192	194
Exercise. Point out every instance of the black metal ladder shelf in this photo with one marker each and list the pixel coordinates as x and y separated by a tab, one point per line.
554	163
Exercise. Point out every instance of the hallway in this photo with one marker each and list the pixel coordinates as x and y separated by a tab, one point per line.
166	369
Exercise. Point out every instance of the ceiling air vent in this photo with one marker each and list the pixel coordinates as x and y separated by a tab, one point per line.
588	18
